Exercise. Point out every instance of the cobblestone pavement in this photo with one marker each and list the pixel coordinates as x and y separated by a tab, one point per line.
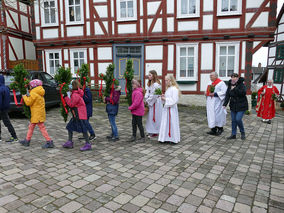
200	174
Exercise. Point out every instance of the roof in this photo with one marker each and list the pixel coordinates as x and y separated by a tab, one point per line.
257	70
262	78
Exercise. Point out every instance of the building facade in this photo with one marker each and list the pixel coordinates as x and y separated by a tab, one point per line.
188	38
15	33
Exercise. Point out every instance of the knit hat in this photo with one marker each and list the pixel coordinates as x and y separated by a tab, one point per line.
35	83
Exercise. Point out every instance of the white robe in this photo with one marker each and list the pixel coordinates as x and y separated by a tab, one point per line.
155	103
216	114
170	117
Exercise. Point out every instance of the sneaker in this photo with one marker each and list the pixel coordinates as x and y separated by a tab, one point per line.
48	144
231	137
92	137
25	142
113	139
142	140
212	131
132	139
86	147
243	136
11	140
109	137
0	139
68	145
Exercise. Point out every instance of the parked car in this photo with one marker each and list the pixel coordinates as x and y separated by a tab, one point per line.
52	96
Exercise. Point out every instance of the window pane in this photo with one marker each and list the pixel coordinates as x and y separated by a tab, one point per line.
223	50
75	54
234	5
122	50
50	55
46	5
52	4
77	2
184	6
52	15
76	63
51	70
51	63
56	63
192	6
231	50
71	14
191	51
130	8
225	5
190	64
78	13
46	16
71	2
182	67
56	55
81	54
222	66
123	9
183	51
81	62
231	64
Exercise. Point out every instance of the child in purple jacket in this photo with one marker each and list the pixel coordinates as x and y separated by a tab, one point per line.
137	110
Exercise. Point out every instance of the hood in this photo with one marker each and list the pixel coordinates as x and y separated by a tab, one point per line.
2	80
139	89
79	92
39	90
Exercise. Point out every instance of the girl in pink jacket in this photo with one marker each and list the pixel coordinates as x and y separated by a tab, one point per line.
137	110
78	122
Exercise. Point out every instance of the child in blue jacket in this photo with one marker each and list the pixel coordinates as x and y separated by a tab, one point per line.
88	99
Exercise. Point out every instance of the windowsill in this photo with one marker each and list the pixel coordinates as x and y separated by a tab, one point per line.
186	81
50	25
126	19
229	13
188	16
75	23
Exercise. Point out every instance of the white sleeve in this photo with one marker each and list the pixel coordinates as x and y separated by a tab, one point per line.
152	99
172	97
222	93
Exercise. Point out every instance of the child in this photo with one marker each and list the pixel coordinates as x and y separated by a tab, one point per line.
4	107
169	130
35	100
155	105
112	110
137	110
78	122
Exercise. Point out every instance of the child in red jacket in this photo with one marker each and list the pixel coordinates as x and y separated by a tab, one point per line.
137	110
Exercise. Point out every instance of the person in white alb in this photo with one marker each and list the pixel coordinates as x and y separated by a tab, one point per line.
155	105
169	130
215	96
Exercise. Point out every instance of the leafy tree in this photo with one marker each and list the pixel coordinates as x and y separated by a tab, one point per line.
129	75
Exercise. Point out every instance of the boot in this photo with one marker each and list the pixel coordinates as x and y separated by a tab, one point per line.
68	145
25	142
219	130
212	131
243	136
48	144
86	147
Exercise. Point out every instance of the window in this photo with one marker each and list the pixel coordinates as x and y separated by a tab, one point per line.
74	12
126	10
280	52
187	62
278	76
53	61
49	12
229	7
78	57
227	59
188	8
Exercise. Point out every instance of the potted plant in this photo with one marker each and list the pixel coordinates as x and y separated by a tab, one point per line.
253	99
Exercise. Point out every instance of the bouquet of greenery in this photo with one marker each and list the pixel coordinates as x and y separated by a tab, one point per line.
84	75
274	97
109	80
129	75
158	91
211	88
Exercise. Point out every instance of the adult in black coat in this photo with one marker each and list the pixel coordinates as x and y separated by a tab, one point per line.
4	107
236	95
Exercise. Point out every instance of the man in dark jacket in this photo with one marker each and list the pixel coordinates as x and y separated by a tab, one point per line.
4	107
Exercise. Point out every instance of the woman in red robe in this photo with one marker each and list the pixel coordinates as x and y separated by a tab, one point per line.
265	102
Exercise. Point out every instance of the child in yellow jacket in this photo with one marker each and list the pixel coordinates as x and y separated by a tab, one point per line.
37	105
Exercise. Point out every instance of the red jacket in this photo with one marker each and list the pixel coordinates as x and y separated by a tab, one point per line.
78	102
137	106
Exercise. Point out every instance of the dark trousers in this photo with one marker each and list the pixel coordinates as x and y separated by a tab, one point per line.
6	120
137	121
85	135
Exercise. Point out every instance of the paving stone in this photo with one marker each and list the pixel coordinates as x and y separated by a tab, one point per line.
225	205
73	206
239	207
123	198
187	208
139	200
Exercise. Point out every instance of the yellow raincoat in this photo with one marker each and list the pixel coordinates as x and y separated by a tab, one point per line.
37	104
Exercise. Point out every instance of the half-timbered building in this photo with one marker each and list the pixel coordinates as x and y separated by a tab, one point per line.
189	38
275	62
16	34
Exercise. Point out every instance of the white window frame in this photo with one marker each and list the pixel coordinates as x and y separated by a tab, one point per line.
43	16
47	52
119	18
229	13
68	22
195	66
236	62
197	10
72	59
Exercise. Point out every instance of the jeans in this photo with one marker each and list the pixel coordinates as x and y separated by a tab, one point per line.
6	120
237	121
137	121
41	128
90	128
111	119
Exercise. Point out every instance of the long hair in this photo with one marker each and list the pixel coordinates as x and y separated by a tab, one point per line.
76	84
138	82
172	82
155	78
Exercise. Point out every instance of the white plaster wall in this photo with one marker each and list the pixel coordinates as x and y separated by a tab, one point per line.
102	11
66	65
187	25
206	56
98	29
280	37
88	28
62	30
272	51
126	28
106	25
95	1
170	6
270	74
255	43
17	45
282	19
262	20
207	5
207	22
141	25
23	7
188	87
248	17
254	3
205	80
102	67
25	24
11	55
75	31
270	61
104	53
158	26
30	50
281	28
36	12
112	8
92	69
154	66
170	57
154	52
10	22
170	24
141	7
152	7
243	55
87	10
230	23
61	10
66	55
37	33
149	21
12	4
91	53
